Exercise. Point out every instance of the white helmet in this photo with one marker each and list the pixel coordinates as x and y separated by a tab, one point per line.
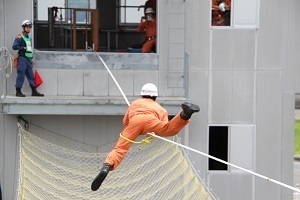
222	6
26	23
149	89
149	10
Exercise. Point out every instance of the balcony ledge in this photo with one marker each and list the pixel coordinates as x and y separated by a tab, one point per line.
78	105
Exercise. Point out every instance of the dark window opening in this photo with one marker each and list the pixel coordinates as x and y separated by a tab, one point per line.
218	147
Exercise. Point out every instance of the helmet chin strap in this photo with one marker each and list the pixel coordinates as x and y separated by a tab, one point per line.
25	31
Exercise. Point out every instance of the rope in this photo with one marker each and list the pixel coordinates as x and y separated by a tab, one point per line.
6	61
227	163
112	76
144	141
199	152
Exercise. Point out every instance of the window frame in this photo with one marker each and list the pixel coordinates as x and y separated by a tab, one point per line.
119	8
235	5
252	129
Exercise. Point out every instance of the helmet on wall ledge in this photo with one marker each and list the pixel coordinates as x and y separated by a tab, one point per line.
26	23
149	89
149	10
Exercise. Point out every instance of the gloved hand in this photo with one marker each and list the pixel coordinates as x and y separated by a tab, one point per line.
149	18
222	6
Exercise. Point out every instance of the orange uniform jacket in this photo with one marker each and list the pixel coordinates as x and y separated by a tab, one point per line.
218	17
143	116
150	27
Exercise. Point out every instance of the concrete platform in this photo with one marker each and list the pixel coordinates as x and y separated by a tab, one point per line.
78	105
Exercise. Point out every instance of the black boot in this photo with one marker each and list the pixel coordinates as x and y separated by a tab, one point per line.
36	93
19	93
188	109
100	177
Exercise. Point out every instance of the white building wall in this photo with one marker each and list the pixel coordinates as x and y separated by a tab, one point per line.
240	72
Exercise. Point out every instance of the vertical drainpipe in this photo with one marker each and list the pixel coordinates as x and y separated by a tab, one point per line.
186	55
168	49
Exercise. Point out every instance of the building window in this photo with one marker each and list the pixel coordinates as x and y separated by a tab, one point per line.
235	13
41	7
234	144
218	147
221	12
131	11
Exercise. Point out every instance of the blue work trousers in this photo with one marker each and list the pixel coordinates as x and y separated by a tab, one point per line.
24	69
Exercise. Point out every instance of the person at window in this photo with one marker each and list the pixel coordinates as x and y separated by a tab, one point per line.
148	25
143	116
148	4
221	12
22	43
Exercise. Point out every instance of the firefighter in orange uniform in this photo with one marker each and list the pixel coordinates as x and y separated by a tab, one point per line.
219	12
143	116
150	26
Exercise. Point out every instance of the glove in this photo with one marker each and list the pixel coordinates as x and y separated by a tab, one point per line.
222	6
149	18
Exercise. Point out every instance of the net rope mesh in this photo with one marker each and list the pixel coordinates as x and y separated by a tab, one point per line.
56	167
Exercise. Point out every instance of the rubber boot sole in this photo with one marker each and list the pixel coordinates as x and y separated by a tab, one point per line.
190	108
98	181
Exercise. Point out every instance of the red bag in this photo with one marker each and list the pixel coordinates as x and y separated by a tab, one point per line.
16	60
37	79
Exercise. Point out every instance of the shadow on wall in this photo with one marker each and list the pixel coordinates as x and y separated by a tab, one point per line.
297	101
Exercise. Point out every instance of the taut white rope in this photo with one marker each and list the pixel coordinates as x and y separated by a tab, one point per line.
112	76
227	163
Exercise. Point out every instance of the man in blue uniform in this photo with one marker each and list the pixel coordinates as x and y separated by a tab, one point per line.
22	43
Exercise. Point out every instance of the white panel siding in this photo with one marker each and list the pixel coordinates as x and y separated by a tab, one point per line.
220	182
244	49
270	39
49	86
291	45
243	97
177	36
241	186
143	76
2	147
220	102
287	142
198	136
95	83
222	49
69	86
268	135
125	80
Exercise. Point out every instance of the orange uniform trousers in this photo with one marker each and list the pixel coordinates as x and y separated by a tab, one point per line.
147	46
139	123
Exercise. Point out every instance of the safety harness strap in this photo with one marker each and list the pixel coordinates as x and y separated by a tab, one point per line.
144	142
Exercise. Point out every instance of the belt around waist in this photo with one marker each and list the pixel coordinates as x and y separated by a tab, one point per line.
151	38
